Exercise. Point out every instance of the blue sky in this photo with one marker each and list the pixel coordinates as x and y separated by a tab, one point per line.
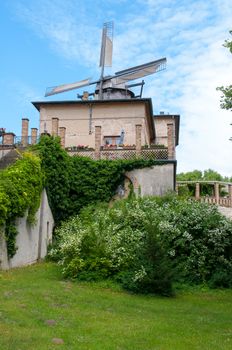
51	42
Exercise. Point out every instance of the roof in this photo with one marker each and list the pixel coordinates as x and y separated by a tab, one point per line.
146	101
176	118
39	104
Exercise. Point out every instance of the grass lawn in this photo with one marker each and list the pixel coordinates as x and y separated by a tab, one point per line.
36	306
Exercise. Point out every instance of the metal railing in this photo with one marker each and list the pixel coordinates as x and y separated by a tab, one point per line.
22	141
19	141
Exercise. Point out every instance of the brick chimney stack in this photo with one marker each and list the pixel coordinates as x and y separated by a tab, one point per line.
55	126
34	133
171	141
62	132
24	134
138	139
8	139
97	141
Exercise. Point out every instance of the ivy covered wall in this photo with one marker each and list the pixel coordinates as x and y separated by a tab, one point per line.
21	185
74	182
71	183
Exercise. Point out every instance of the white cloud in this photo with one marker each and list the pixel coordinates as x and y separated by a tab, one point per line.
68	31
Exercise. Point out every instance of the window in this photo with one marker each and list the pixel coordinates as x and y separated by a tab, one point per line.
111	140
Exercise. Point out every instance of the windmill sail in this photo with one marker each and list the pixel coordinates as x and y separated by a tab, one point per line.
119	79
106	45
137	72
66	87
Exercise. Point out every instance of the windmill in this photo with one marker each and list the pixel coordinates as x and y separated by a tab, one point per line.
113	86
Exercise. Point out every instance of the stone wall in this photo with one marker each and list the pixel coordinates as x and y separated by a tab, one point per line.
32	240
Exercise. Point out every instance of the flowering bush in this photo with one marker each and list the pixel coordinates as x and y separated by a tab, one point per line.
199	240
145	243
113	242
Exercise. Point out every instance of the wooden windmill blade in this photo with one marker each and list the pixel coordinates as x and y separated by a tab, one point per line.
140	71
119	78
107	45
105	60
67	87
106	52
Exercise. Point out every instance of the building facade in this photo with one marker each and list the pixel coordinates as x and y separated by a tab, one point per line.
110	125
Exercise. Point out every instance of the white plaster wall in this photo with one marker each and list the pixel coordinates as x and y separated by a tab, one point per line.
161	127
154	181
47	224
112	117
3	251
32	240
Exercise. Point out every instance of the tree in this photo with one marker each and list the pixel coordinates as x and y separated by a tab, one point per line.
207	175
190	176
212	175
226	98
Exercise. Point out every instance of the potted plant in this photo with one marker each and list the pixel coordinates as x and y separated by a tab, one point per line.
129	147
145	146
157	146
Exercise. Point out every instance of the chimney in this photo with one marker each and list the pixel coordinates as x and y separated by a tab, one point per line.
62	132
97	141
171	141
8	138
25	124
55	126
34	132
85	96
138	135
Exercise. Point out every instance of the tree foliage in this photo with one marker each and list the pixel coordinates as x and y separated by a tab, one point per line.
207	175
226	98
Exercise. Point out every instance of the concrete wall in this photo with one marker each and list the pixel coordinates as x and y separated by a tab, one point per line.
154	181
3	152
32	240
80	121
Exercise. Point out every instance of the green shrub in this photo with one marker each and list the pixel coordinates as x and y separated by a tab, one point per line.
113	242
221	278
146	243
199	239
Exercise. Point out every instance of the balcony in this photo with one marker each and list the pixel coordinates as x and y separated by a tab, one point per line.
111	152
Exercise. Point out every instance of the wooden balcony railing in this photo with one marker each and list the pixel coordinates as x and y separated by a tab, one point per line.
112	154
